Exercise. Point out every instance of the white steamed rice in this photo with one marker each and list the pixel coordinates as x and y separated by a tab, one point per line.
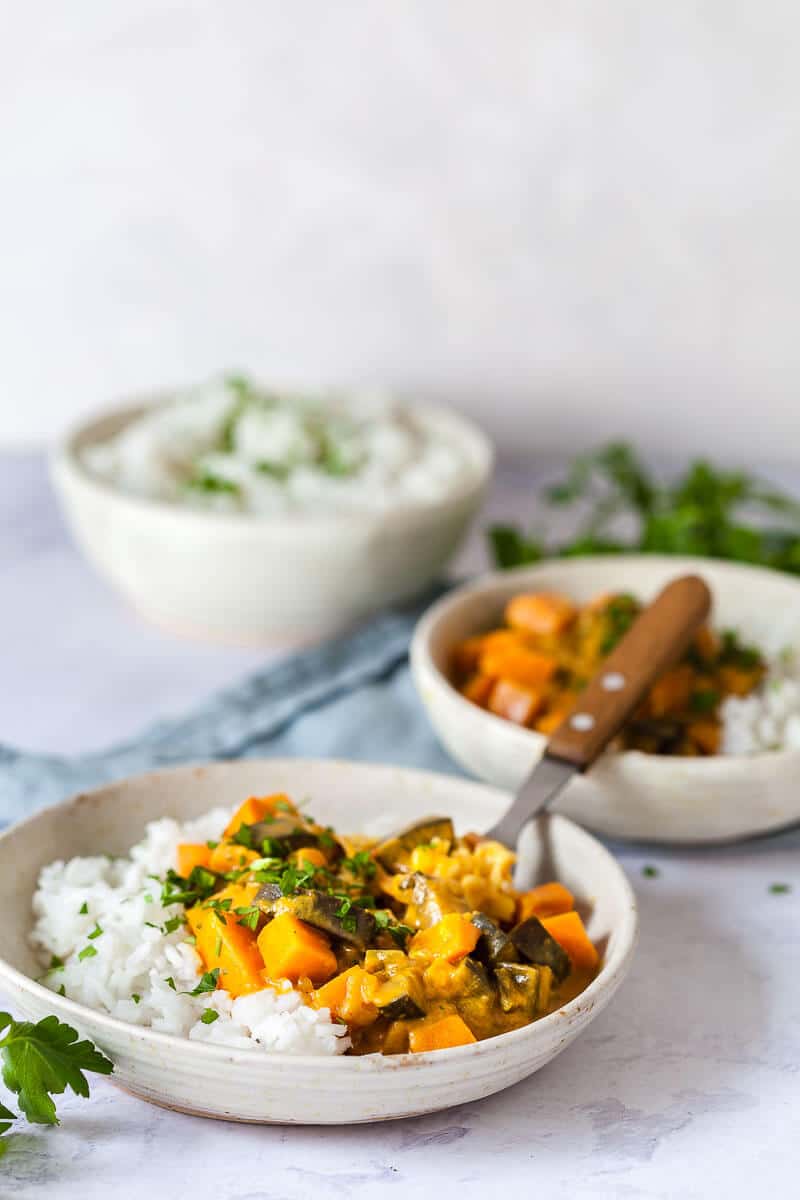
134	958
769	718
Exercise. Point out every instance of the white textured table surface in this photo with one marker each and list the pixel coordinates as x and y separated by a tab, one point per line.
686	1087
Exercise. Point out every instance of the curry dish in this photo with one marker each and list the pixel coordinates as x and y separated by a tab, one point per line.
532	670
418	942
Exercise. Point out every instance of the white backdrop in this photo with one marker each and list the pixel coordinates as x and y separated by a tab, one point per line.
569	219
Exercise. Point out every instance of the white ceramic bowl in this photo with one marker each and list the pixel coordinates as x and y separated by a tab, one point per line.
631	795
249	1085
249	578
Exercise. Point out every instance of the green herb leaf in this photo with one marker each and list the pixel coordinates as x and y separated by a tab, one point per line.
96	932
87	952
84	908
135	997
207	983
248	916
709	512
650	872
170	983
780	889
209	1016
43	1059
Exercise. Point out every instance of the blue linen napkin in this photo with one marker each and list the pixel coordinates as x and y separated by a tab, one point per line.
351	697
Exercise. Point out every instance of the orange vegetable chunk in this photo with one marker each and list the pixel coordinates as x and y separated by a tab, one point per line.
230	856
349	996
256	808
705	734
548	722
440	1034
310	855
222	942
478	689
547	900
569	931
540	613
514	702
191	855
520	665
452	938
291	948
670	693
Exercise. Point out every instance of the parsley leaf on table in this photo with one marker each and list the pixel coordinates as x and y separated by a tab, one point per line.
41	1061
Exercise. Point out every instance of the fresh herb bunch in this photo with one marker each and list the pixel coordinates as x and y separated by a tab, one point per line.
41	1061
706	512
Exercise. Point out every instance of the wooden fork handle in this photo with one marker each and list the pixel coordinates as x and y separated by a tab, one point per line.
656	640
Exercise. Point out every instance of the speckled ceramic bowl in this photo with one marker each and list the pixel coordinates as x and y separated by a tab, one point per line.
249	1085
644	797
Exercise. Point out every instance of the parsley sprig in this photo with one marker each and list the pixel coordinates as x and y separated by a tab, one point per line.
709	512
41	1061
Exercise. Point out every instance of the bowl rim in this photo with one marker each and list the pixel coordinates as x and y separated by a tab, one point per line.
66	460
497	581
610	974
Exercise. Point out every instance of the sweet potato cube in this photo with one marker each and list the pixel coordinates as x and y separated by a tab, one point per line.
478	688
570	933
256	808
452	938
291	949
230	856
349	996
514	702
547	900
440	1034
670	694
191	855
222	942
541	613
526	667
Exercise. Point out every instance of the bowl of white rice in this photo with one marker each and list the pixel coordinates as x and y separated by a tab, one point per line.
233	513
88	865
748	789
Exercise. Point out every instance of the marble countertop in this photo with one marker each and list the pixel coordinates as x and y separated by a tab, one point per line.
685	1087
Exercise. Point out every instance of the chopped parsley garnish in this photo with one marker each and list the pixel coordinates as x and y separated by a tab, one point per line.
326	839
84	908
148	897
170	982
385	922
206	481
62	991
705	701
218	906
244	836
361	864
96	932
135	997
248	915
56	963
172	924
650	872
87	952
207	983
780	889
209	1016
199	885
212	845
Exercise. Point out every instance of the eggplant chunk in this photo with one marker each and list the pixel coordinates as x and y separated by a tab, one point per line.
393	853
268	893
494	945
401	997
355	926
522	988
537	946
